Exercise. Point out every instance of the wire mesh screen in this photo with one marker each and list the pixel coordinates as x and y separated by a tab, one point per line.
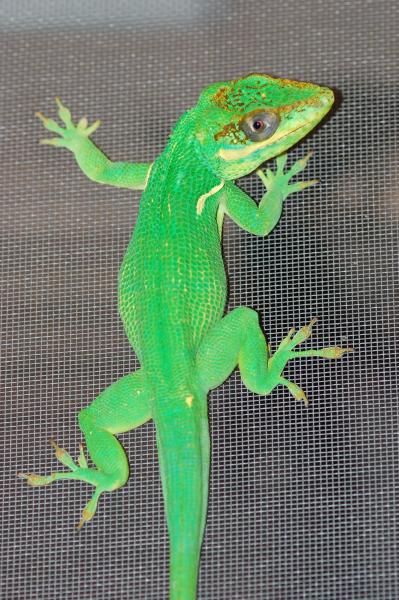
303	502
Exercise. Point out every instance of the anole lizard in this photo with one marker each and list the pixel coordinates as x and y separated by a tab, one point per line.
172	291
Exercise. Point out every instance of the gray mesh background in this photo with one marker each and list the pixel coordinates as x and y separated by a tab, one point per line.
303	502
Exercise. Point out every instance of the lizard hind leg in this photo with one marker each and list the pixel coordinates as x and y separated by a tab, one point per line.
122	406
237	339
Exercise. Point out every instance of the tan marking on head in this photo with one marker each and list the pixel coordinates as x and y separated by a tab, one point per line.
234	132
220	97
189	401
225	131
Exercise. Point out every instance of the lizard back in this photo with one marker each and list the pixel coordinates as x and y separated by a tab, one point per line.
172	284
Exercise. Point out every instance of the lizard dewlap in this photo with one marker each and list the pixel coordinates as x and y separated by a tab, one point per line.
172	291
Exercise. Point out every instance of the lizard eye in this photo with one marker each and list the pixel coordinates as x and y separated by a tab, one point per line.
259	125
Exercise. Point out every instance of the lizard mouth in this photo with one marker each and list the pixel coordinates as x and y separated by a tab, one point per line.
293	131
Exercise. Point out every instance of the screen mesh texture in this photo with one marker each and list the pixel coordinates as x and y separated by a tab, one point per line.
303	502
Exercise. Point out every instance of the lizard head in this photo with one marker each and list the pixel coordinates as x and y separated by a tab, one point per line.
242	123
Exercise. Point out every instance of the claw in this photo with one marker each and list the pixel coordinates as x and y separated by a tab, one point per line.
64	113
295	390
83	123
303	333
63	456
305	184
36	480
89	510
86	517
53	142
92	128
302	162
82	462
334	352
264	176
41	116
281	161
50	124
308	156
301	185
287	340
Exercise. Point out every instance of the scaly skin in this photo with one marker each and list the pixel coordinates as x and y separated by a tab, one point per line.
172	292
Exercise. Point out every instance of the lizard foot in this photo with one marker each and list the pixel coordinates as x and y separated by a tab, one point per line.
70	136
79	471
281	180
285	352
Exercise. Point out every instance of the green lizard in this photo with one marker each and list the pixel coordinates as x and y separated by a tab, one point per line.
172	291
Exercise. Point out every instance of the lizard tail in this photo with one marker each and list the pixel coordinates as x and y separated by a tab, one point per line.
183	449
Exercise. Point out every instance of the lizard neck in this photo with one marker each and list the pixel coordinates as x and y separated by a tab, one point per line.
180	176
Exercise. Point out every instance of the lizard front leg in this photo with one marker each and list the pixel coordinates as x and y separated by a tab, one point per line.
261	219
93	162
237	339
121	407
